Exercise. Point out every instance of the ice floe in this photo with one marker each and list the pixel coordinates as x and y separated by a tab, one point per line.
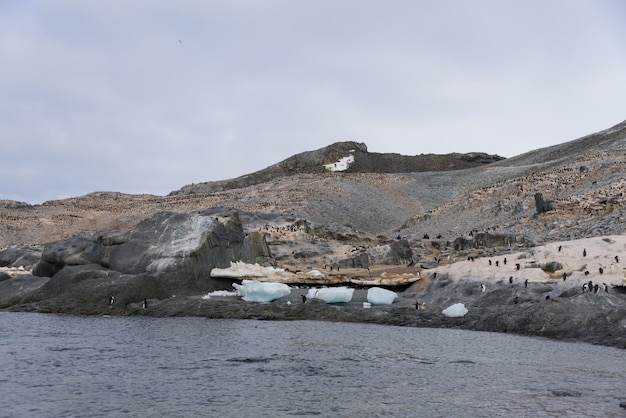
331	294
455	311
255	291
380	296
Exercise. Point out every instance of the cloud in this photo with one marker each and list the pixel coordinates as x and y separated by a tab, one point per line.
143	97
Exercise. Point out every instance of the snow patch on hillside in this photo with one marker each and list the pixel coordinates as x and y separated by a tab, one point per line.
341	165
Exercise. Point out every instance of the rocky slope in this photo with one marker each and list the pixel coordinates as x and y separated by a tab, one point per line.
354	225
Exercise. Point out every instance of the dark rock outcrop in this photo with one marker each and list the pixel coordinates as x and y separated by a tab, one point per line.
314	162
486	240
542	204
20	256
170	253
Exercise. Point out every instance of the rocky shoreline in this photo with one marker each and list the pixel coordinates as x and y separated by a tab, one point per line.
588	317
569	290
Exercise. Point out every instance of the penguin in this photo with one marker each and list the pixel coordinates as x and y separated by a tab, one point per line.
564	276
584	252
504	261
489	262
601	270
560	248
483	287
144	305
590	285
511	279
417	305
616	259
516	300
584	287
547	297
497	263
303	298
526	283
111	300
595	288
606	287
586	272
517	266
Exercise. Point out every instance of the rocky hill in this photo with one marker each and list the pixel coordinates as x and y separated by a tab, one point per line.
347	157
581	180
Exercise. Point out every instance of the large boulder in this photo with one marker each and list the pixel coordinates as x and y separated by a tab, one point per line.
20	257
170	253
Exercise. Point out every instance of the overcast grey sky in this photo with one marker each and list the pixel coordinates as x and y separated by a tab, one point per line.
147	96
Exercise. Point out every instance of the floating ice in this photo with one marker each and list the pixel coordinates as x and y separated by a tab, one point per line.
455	311
380	296
331	294
255	291
341	165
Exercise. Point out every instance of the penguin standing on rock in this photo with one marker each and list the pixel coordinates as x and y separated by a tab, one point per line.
144	304
483	287
111	300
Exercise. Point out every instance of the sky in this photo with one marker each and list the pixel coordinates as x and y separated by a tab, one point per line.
146	97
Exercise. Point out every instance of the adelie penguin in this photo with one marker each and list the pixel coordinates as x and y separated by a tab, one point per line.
111	300
144	304
483	287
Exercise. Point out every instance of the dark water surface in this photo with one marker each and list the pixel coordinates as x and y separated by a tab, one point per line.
66	366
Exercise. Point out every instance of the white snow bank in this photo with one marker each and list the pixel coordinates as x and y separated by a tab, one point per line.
455	311
15	271
380	296
341	165
222	293
239	269
331	294
255	291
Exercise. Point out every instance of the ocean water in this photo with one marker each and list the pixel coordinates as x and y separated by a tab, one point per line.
71	366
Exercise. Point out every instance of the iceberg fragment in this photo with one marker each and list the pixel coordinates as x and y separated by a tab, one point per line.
455	311
255	291
380	296
331	294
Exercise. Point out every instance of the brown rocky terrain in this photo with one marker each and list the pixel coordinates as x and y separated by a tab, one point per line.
582	180
557	215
